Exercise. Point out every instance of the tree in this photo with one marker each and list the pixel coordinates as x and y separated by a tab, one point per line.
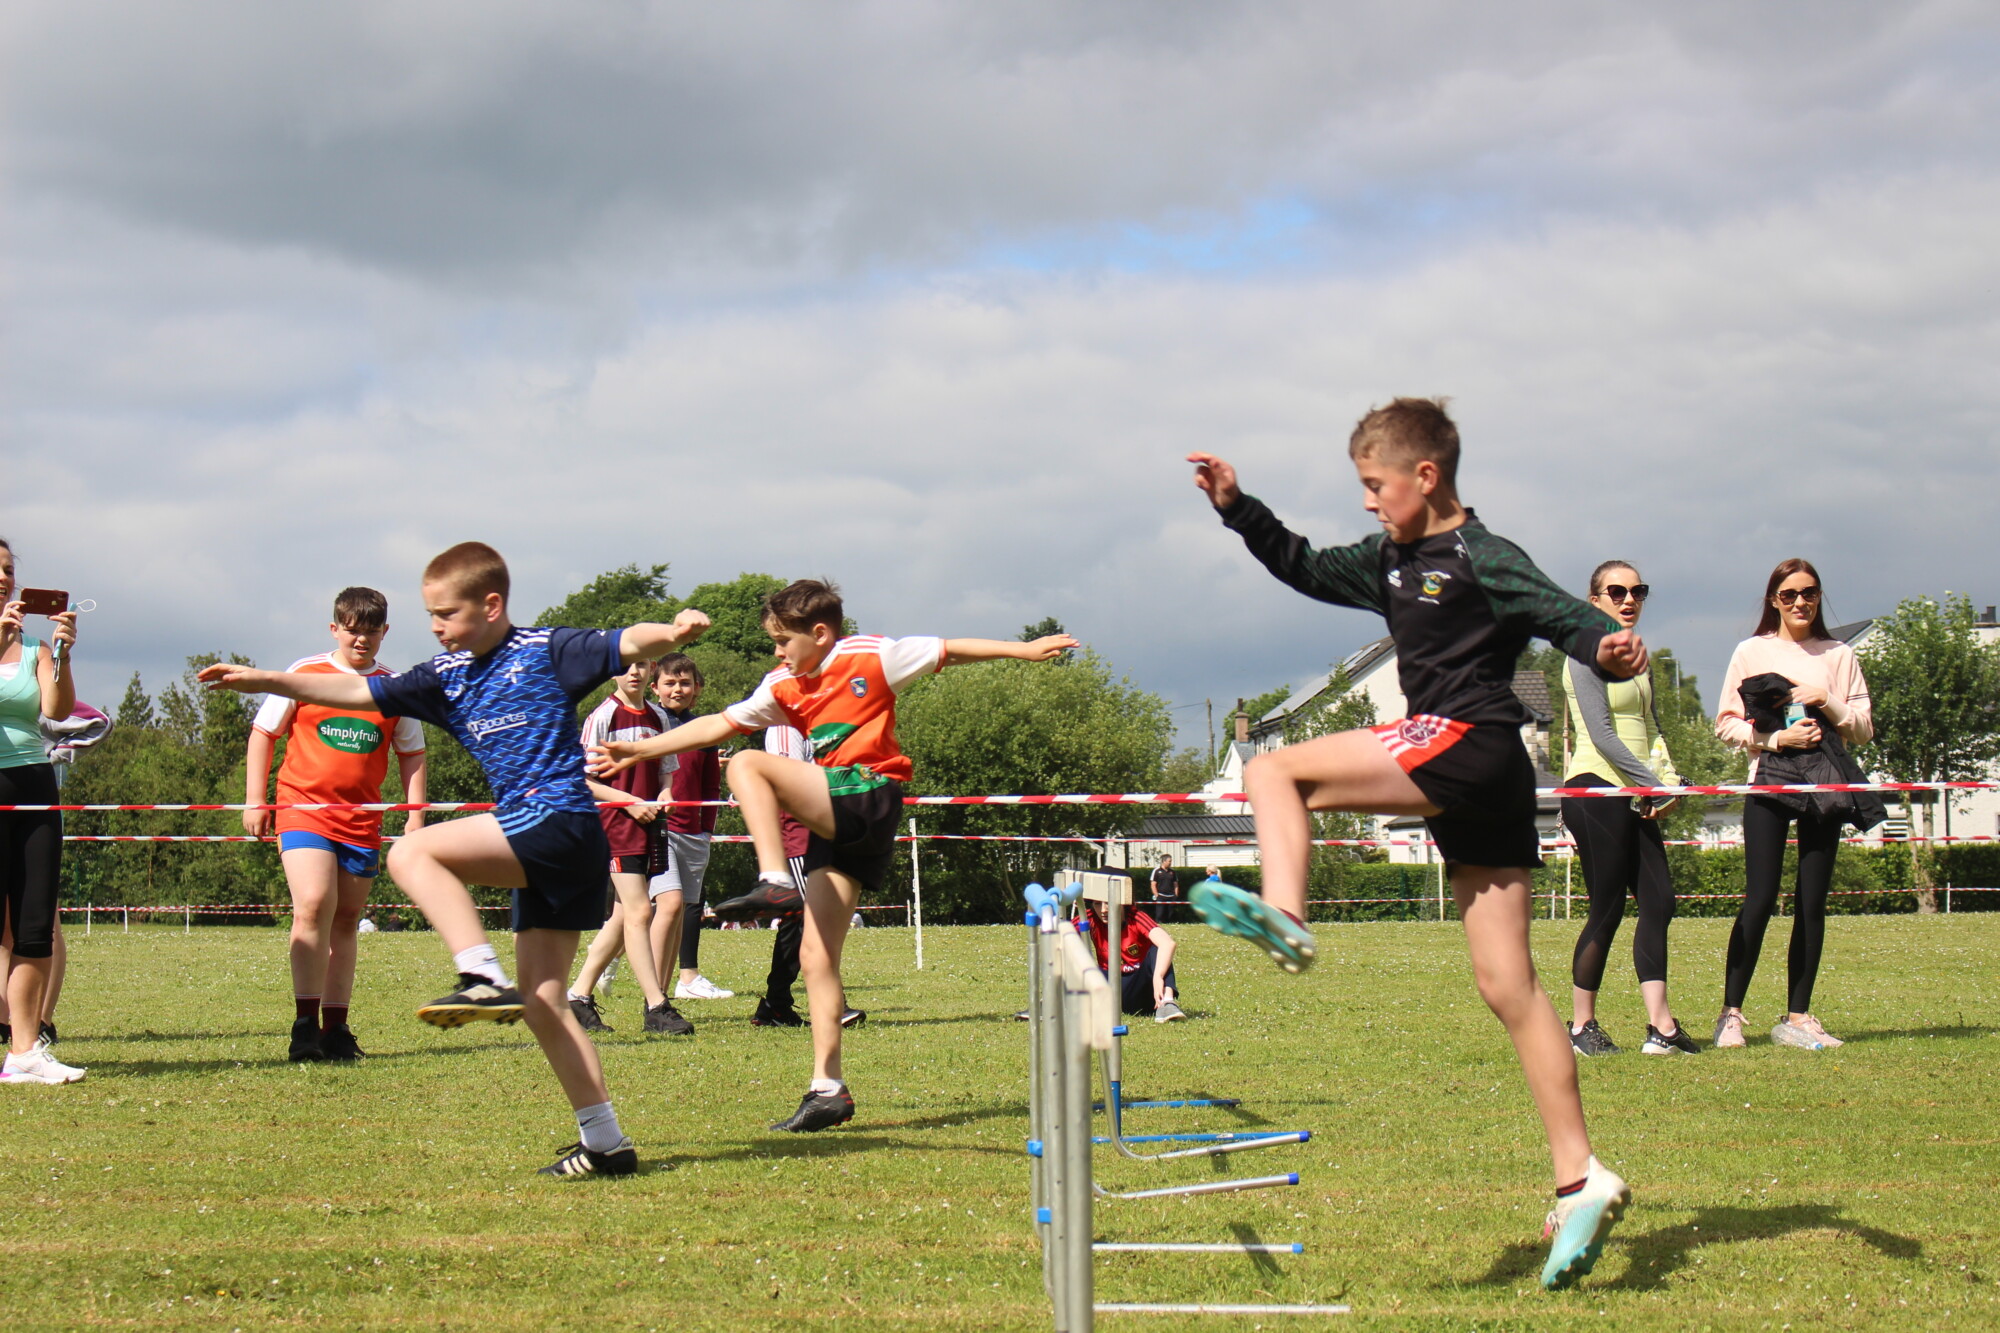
624	596
1042	629
1022	727
1935	691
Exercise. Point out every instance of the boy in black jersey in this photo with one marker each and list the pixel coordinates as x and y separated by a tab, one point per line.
1461	604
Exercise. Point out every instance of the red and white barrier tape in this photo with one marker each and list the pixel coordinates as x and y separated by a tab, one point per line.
1077	798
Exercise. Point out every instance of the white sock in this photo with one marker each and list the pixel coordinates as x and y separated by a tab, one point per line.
781	878
480	961
822	1086
598	1126
579	998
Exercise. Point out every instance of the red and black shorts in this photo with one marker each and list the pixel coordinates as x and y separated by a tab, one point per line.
865	823
1481	780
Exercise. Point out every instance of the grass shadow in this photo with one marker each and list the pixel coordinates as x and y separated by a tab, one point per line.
779	1146
1952	1032
1658	1254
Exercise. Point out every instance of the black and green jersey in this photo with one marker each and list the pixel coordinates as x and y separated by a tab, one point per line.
1460	605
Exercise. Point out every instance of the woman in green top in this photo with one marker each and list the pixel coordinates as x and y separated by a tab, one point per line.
34	683
1615	742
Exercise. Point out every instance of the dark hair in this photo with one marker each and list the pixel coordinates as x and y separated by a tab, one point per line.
680	664
471	568
1597	575
1767	622
1407	432
361	606
804	604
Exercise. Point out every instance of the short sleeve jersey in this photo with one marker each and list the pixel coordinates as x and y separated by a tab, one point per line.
515	710
613	721
335	755
1136	926
846	709
699	778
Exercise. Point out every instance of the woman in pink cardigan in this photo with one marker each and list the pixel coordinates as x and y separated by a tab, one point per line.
1792	641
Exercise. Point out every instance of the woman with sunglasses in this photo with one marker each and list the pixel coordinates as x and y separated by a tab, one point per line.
1792	641
1615	742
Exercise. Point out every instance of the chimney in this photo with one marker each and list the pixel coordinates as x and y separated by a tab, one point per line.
1988	619
1242	729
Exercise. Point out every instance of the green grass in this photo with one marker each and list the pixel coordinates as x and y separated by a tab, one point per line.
197	1180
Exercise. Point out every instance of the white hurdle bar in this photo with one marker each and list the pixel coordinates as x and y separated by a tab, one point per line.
1073	1011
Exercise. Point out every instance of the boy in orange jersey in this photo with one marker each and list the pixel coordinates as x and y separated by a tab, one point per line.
841	693
335	756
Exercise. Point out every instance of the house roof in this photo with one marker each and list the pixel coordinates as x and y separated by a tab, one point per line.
1197	826
1356	664
1532	688
1849	633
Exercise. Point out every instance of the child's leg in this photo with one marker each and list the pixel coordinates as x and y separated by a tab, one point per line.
1350	771
313	875
636	915
542	960
830	900
763	783
669	916
1496	905
434	864
608	944
343	941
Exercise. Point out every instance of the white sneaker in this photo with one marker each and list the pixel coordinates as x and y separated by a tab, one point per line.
1576	1226
38	1066
701	988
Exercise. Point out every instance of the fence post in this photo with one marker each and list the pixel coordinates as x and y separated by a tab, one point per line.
1947	897
86	918
916	894
127	914
187	919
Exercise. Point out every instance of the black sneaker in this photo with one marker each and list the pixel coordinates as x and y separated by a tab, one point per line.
47	1036
578	1160
305	1042
770	1015
764	900
1658	1043
853	1018
817	1111
663	1017
1592	1041
337	1043
587	1016
475	998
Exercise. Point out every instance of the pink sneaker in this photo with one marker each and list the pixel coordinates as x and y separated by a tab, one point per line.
1827	1039
1728	1030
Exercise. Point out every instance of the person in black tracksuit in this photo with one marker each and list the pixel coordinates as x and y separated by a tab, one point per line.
1461	604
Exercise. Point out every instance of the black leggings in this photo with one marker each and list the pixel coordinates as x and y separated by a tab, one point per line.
30	857
1764	826
1621	854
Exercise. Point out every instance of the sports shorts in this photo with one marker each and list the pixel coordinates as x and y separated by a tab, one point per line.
687	866
564	855
1481	780
864	831
353	860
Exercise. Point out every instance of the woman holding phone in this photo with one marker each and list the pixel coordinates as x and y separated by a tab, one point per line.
1615	742
1791	641
34	683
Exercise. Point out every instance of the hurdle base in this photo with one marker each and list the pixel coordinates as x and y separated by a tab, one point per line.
1135	1307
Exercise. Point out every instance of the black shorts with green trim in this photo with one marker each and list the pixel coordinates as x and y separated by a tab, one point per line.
867	812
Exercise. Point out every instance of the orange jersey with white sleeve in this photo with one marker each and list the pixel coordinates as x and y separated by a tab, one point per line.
847	708
335	755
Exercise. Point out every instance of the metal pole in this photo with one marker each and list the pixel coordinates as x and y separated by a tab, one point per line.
128	920
187	919
1077	1184
86	918
1053	1217
916	893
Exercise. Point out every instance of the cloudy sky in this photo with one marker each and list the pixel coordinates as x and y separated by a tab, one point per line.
933	297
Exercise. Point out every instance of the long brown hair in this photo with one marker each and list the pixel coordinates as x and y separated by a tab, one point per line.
1767	623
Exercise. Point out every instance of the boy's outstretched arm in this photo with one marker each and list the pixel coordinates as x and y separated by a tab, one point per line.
641	643
326	689
957	652
617	756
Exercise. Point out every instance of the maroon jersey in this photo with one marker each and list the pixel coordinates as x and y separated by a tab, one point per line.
699	778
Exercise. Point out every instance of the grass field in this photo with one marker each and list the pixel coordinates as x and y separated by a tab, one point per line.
197	1180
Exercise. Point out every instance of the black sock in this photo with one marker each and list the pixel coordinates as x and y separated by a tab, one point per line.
1564	1191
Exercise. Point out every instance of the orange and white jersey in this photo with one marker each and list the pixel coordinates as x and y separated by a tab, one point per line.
846	709
335	755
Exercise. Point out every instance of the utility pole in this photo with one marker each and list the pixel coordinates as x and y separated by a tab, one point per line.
1211	735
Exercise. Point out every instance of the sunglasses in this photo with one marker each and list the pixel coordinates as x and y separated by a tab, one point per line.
1618	592
1790	595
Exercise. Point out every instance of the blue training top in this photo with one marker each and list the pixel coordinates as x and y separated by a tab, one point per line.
515	709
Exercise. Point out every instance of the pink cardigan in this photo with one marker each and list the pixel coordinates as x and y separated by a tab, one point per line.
1827	663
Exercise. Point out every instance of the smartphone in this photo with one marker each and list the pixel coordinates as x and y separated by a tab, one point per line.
44	601
1794	714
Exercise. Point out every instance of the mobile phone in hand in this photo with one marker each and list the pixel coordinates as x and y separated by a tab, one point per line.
44	601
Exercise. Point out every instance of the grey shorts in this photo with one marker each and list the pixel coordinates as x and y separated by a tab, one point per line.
687	866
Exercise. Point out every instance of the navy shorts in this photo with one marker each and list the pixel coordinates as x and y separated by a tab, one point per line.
1481	780
566	859
353	860
864	834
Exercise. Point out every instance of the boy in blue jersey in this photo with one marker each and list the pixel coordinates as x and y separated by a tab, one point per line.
1462	603
510	696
